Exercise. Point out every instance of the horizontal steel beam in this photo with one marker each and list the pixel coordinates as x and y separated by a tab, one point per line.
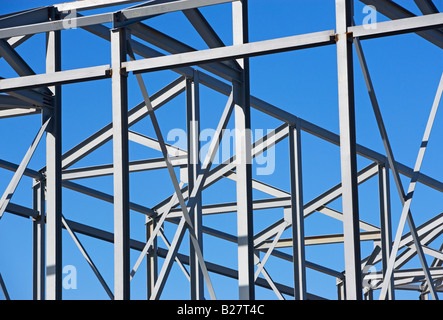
320	240
141	13
30	96
17	112
8	102
55	78
128	15
91	4
134	166
282	202
394	11
232	52
400	26
406	273
56	25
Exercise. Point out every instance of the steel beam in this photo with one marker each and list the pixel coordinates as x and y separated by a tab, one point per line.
38	241
129	16
151	257
344	16
400	26
25	17
321	240
53	174
394	11
241	92
33	97
91	4
385	221
55	25
297	213
141	13
55	78
238	50
17	112
155	144
121	165
7	102
134	166
193	168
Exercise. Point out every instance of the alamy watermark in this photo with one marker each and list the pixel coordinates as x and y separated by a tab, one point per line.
69	20
370	18
264	159
69	277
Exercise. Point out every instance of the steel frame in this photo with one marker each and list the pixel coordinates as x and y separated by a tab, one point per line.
224	69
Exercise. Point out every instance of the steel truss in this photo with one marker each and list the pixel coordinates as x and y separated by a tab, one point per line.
224	69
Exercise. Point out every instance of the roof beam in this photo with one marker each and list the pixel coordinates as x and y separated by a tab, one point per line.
126	17
232	52
16	112
399	26
32	16
81	5
394	11
59	78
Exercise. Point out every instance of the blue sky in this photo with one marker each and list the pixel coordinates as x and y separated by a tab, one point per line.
405	70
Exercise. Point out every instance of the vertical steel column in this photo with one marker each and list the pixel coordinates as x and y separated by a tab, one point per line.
151	262
53	173
121	165
298	240
38	235
344	17
341	293
194	165
243	159
385	222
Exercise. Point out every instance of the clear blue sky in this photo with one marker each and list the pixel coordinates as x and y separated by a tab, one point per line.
405	71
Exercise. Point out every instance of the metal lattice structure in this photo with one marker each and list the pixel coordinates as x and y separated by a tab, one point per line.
138	49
